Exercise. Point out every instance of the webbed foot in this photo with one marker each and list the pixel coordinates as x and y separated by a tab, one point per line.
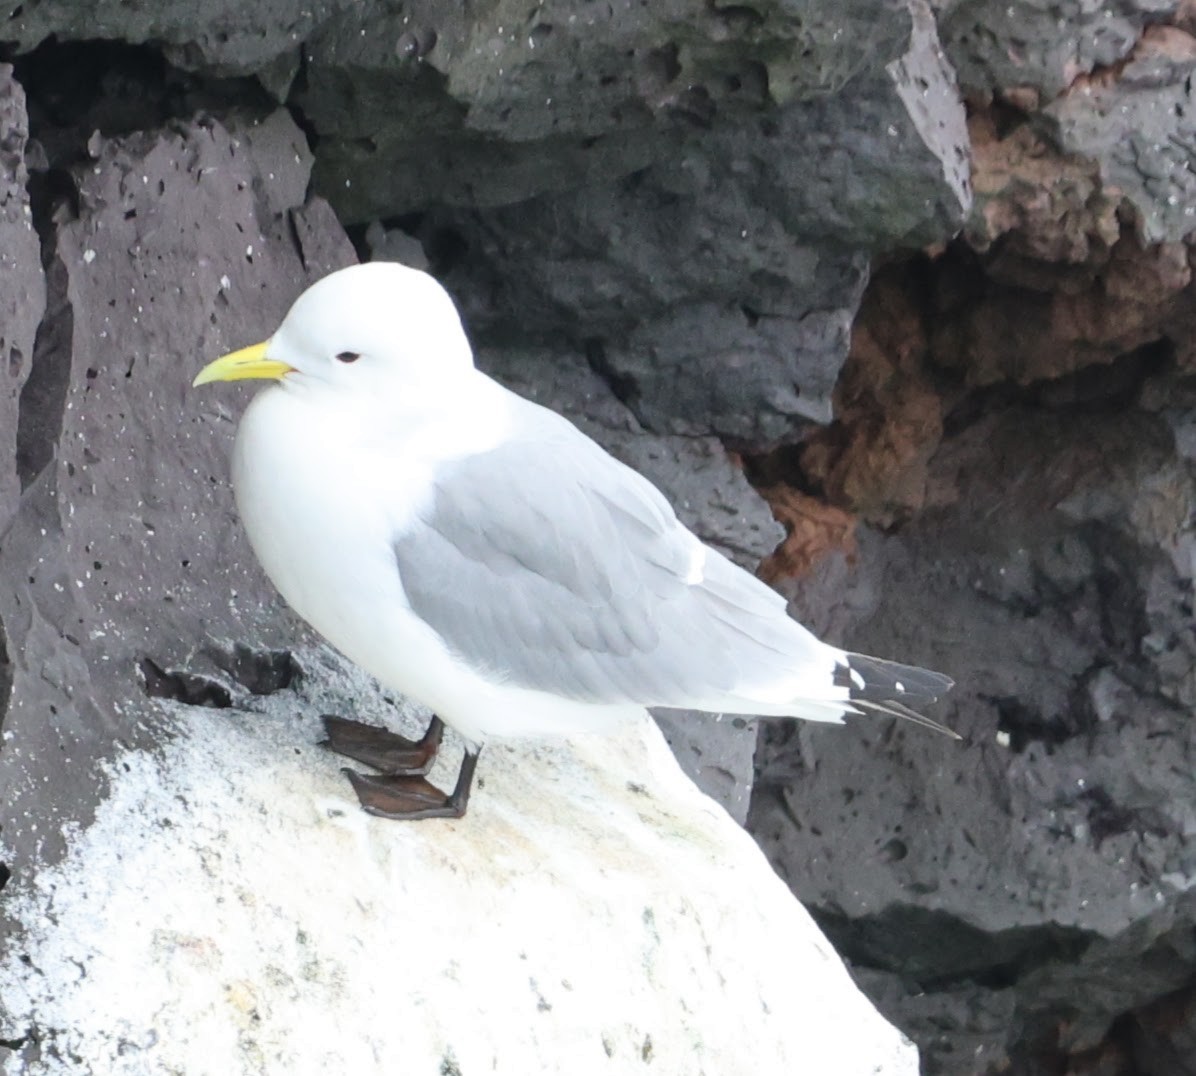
411	796
382	749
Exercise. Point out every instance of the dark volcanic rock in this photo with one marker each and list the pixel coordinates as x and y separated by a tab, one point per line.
221	35
119	565
1041	46
512	102
22	293
1050	851
701	343
681	200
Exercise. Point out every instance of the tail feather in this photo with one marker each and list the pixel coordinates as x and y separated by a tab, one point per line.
888	687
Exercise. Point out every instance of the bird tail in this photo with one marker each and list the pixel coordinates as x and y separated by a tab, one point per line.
887	687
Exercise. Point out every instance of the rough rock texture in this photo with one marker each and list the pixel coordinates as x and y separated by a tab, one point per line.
124	557
1040	46
668	187
221	35
22	291
1020	402
1137	127
1055	842
615	935
541	97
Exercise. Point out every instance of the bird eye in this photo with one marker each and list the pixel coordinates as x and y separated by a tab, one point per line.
348	356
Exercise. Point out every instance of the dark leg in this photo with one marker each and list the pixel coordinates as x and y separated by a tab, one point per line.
411	797
383	750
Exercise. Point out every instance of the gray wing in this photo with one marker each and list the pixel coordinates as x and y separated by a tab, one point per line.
547	564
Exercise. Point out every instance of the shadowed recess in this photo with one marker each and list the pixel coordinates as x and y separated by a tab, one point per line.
258	669
43	396
938	949
6	677
115	88
183	686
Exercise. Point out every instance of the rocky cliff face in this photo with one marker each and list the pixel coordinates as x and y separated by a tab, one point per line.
921	273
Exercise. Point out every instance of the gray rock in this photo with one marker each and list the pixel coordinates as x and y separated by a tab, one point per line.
925	82
224	35
959	1028
1041	44
703	182
509	104
395	245
705	320
1049	853
22	294
717	286
124	562
717	752
284	160
1140	128
690	192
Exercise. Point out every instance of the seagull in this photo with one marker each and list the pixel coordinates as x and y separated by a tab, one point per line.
479	554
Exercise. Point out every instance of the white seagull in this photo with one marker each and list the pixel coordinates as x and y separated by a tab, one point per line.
478	553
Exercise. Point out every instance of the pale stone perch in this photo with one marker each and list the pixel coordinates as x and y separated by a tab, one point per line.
233	911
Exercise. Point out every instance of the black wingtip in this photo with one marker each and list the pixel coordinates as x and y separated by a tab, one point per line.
889	687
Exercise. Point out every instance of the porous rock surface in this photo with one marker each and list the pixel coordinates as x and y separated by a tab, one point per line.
922	272
108	584
1018	406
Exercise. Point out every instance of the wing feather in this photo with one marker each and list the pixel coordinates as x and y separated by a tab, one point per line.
556	568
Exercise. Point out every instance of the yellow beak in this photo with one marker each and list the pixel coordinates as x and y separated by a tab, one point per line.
249	362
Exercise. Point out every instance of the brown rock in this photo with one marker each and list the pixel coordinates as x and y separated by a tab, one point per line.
872	459
1051	206
813	528
1057	277
124	561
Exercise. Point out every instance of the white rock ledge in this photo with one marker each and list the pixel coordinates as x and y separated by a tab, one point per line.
233	911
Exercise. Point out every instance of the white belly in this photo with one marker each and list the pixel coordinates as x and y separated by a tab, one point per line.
321	505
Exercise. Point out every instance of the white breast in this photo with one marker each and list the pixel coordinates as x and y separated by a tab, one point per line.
322	491
320	503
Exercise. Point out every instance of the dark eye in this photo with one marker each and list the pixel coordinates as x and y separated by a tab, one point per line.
348	356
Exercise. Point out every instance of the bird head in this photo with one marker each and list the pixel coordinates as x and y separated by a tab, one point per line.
361	328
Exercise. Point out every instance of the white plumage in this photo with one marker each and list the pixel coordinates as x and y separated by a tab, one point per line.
480	554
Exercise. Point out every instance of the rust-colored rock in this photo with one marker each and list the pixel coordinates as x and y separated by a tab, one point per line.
1051	206
995	318
889	417
1056	277
813	528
